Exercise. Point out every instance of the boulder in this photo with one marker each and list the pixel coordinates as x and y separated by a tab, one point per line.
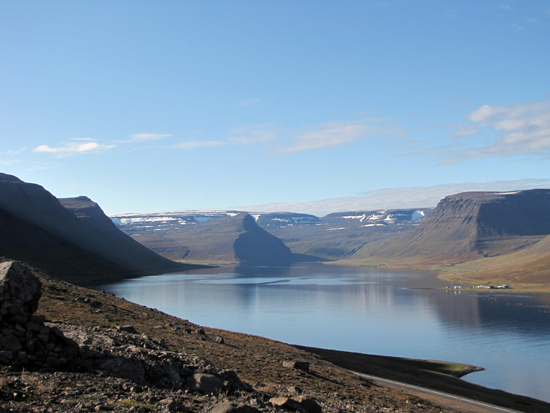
301	404
206	383
19	282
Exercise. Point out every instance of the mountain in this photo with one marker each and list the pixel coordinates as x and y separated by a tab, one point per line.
221	237
338	235
469	226
36	228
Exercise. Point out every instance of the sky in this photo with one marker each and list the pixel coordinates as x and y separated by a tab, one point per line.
311	106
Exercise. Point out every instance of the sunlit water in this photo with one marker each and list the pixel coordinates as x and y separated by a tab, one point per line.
368	311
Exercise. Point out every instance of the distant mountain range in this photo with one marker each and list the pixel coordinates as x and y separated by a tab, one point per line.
339	235
469	226
199	235
480	235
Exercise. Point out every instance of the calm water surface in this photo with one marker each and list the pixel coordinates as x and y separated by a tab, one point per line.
369	311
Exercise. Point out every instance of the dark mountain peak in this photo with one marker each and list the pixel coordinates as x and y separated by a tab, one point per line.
9	178
77	201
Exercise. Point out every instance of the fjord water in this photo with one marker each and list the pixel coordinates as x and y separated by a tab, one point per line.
366	310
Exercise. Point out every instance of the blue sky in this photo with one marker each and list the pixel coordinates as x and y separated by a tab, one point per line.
308	106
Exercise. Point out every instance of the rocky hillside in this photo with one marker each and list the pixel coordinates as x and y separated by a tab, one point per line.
470	226
341	234
216	237
36	228
528	267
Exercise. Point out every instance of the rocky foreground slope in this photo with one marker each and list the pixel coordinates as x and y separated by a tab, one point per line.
53	364
85	350
36	228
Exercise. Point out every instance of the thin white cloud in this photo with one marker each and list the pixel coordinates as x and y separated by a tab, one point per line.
340	133
252	135
149	136
81	146
461	131
238	137
394	198
249	102
8	162
197	144
145	137
13	152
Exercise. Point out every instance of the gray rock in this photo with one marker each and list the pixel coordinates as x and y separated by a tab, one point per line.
18	281
206	383
229	407
310	405
301	404
126	368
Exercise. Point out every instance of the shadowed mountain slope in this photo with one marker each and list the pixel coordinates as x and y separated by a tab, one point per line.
36	228
217	238
469	226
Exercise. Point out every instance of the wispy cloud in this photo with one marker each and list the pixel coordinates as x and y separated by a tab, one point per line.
197	144
8	162
238	137
249	102
251	135
460	131
498	131
144	137
13	152
77	147
520	129
394	198
340	133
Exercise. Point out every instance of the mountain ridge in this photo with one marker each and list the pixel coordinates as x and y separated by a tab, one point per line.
37	229
469	226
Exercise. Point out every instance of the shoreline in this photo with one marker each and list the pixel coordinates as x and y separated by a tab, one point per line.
259	360
404	371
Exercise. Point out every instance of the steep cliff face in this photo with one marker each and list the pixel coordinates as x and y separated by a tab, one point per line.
221	238
471	225
38	229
